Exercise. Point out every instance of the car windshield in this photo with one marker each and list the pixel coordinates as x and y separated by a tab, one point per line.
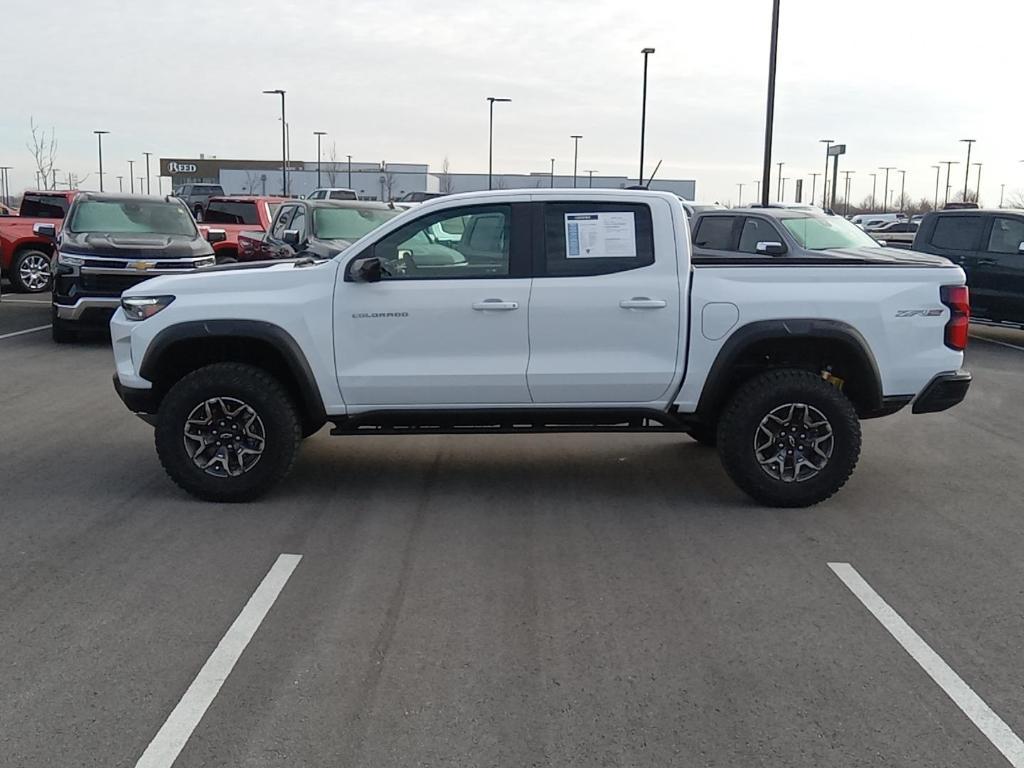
348	223
132	216
817	233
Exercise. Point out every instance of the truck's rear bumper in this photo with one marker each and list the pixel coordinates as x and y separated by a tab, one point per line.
943	392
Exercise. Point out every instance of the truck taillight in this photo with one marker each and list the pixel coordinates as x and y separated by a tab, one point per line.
957	298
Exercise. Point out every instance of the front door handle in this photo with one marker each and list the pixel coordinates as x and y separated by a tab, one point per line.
642	302
495	304
986	262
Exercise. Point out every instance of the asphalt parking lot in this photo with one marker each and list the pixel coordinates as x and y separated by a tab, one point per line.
582	600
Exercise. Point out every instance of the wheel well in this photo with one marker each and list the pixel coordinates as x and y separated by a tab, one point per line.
182	357
839	357
44	247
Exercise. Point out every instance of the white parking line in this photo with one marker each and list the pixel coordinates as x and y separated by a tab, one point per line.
987	721
27	330
1000	343
165	747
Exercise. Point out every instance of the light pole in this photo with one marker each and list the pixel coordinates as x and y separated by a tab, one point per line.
120	183
846	192
140	184
782	184
318	134
824	193
99	144
977	190
131	178
643	115
3	182
874	185
739	201
552	173
349	171
1002	189
937	168
490	139
949	164
778	197
590	180
769	120
54	171
758	195
814	185
575	155
885	195
147	154
967	170
903	189
284	144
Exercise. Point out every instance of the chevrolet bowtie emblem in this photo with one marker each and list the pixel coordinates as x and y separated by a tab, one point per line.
142	266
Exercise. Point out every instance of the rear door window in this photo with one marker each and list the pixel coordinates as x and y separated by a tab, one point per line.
1007	235
596	238
958	233
715	233
757	231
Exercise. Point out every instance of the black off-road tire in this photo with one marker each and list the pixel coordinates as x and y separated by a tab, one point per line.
62	331
752	402
257	389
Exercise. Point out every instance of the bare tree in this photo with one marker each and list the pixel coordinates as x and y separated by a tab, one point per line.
1014	199
970	197
501	183
332	168
252	182
44	151
447	183
389	184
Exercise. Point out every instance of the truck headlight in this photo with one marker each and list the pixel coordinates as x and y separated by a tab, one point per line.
69	260
206	261
141	307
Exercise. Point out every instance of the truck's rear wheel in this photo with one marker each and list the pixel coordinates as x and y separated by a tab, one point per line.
30	271
227	432
789	439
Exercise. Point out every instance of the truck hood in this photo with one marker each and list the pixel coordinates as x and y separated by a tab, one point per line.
259	277
129	244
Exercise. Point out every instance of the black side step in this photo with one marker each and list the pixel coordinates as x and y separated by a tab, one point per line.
490	421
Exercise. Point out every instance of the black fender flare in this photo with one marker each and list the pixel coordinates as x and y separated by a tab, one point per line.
312	403
713	394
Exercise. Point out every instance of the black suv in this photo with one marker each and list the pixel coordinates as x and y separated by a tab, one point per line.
197	197
111	242
989	245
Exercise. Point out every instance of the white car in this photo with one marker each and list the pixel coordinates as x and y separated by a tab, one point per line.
332	193
571	310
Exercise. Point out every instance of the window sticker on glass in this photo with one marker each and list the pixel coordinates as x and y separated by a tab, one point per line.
600	235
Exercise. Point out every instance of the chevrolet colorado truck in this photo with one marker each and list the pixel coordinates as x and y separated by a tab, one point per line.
24	254
235	214
566	311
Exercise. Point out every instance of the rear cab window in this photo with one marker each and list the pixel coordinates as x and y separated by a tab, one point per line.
1007	235
958	233
583	239
715	233
44	206
231	212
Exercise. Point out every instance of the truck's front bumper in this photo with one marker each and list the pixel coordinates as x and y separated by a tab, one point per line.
99	308
943	392
137	400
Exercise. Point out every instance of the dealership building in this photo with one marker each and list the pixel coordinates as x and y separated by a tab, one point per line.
377	180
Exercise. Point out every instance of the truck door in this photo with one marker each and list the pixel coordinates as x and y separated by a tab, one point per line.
958	237
440	327
273	245
605	315
999	271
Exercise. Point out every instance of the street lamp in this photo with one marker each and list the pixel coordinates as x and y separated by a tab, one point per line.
824	192
131	179
977	191
349	171
1002	189
769	118
284	144
758	195
99	142
552	173
318	134
590	174
643	115
874	185
903	188
846	192
3	183
575	155
778	197
885	195
490	139
967	170
739	201
147	154
782	184
814	184
937	169
949	164
120	183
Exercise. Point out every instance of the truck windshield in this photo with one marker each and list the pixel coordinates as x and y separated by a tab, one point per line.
348	223
817	233
44	206
130	216
233	212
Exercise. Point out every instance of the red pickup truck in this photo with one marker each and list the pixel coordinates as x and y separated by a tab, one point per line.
234	214
24	255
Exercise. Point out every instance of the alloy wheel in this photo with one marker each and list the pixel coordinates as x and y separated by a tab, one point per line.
794	442
224	437
34	272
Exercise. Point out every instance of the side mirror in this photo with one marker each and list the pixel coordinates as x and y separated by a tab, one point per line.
291	236
366	270
216	235
45	230
1020	248
770	248
881	243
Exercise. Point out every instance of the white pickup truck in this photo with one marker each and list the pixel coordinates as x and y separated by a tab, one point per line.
543	311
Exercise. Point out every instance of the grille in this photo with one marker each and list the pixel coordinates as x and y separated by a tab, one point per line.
109	285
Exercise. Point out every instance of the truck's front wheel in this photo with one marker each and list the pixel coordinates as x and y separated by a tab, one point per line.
227	432
789	439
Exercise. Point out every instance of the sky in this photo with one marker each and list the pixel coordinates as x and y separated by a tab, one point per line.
898	81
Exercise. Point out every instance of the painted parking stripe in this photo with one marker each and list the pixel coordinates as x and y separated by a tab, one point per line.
1000	343
21	333
165	747
979	713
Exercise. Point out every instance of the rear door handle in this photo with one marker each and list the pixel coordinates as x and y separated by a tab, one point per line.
495	304
986	262
642	302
